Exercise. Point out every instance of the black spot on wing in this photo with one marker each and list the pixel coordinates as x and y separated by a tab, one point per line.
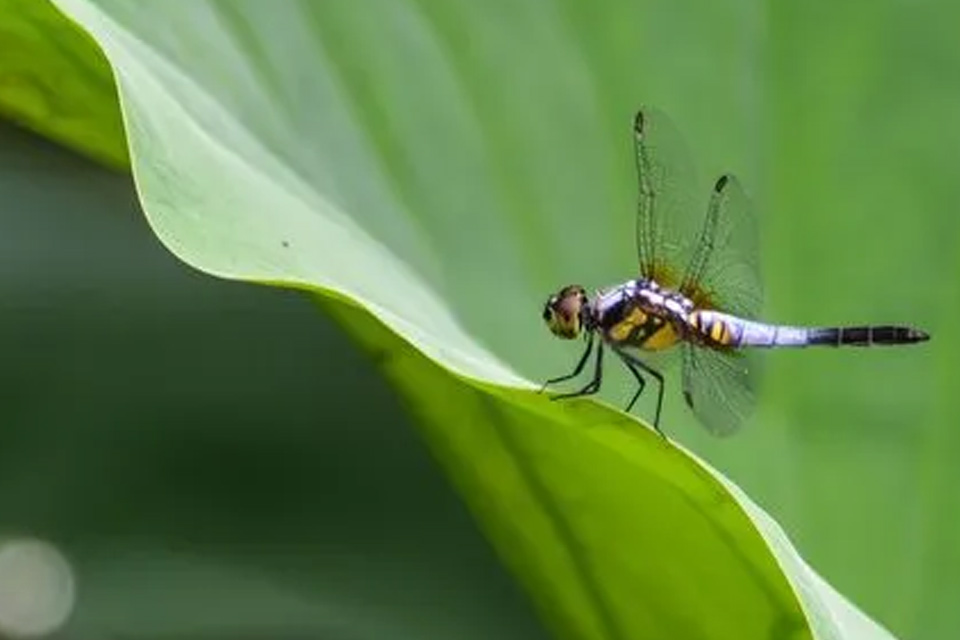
638	123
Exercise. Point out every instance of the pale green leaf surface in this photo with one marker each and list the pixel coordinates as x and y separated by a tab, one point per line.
430	173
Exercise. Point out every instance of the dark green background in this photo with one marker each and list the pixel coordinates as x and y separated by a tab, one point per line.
201	450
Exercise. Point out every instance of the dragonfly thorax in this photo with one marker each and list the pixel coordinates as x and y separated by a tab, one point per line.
641	314
646	295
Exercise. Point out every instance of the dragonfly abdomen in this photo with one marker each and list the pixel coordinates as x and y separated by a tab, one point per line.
759	334
725	330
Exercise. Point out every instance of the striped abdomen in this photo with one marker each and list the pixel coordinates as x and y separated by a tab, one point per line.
723	329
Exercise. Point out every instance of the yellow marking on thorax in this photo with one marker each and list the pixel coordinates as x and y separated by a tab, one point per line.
622	330
665	336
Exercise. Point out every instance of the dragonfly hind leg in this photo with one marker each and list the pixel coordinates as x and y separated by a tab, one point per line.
632	363
591	387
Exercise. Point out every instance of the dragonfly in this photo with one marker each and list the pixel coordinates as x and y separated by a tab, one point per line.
699	293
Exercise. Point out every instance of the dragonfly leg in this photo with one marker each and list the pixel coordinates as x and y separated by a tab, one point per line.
591	387
632	363
641	382
576	370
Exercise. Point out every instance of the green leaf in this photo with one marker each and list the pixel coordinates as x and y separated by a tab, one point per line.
615	536
446	167
54	80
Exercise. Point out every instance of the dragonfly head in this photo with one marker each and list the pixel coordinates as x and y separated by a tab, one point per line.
566	312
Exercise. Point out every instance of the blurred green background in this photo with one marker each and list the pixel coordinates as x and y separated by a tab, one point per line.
844	121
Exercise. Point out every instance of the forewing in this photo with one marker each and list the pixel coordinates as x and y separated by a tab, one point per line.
719	387
724	270
667	216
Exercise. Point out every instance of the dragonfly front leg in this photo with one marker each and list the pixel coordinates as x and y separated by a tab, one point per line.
591	387
576	370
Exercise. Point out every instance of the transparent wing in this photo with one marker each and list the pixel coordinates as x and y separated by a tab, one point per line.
719	387
668	217
724	270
